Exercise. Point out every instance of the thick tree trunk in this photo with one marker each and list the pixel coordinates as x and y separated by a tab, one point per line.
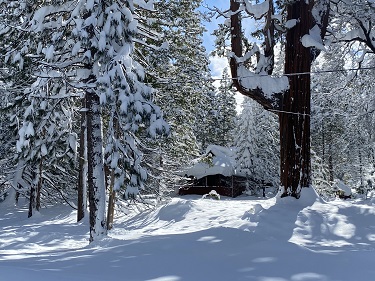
96	182
295	107
82	186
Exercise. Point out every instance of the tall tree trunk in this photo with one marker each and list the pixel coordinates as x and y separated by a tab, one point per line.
39	185
111	201
295	107
31	201
96	182
292	105
112	192
82	186
32	194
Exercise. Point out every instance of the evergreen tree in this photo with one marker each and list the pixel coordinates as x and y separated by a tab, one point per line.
176	70
342	112
256	141
88	46
206	126
226	110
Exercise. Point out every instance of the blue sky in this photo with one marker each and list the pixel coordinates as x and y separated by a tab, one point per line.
210	26
217	64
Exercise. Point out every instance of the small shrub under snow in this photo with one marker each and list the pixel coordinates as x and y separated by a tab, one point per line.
212	195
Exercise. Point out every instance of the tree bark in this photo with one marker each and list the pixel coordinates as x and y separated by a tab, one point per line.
32	195
39	185
295	107
111	191
31	201
111	202
96	182
82	186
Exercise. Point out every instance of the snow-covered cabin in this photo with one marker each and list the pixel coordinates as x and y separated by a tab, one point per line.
215	170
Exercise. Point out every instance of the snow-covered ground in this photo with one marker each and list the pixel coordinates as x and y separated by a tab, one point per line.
199	240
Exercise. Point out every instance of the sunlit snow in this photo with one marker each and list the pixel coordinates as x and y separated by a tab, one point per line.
191	238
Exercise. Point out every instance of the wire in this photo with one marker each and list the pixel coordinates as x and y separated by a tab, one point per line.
289	112
306	73
265	75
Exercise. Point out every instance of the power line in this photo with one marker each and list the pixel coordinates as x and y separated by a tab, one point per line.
301	73
171	81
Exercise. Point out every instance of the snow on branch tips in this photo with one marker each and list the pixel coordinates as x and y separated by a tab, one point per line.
313	39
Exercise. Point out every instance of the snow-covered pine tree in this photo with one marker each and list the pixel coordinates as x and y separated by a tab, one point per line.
226	110
256	142
328	107
244	139
206	111
176	72
342	112
89	46
45	145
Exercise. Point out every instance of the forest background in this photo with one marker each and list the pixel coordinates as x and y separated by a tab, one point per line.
108	102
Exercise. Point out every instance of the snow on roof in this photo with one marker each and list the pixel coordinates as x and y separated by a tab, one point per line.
217	160
339	184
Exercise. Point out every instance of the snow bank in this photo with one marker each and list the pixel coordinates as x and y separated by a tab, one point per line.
195	239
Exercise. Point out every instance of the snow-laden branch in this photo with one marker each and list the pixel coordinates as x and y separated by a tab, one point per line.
258	85
313	39
258	10
270	86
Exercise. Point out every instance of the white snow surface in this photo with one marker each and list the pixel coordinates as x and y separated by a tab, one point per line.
196	239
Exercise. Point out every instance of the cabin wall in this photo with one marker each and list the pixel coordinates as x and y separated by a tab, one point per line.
225	186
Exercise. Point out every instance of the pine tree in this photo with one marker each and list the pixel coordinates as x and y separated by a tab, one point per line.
256	141
176	70
342	112
206	127
45	145
226	110
88	47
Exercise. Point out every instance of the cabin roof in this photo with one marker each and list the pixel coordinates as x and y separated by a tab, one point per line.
216	160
